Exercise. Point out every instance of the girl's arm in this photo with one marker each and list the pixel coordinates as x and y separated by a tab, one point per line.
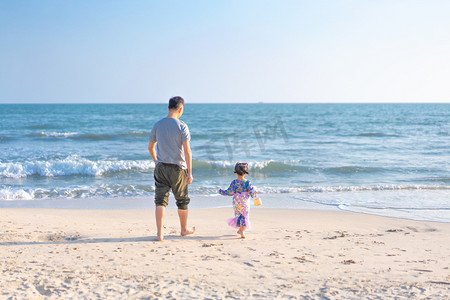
251	190
229	191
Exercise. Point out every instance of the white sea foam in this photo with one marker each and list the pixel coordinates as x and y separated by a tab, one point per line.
403	203
71	165
252	165
100	191
230	164
88	136
330	189
332	194
288	166
57	134
9	194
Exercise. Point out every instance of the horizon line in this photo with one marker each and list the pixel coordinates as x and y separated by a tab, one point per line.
232	102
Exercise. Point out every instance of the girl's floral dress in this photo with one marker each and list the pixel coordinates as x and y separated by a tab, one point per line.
241	190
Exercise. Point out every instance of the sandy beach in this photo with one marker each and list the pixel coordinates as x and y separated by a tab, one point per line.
289	254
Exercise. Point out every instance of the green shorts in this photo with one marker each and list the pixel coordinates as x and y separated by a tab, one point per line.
170	176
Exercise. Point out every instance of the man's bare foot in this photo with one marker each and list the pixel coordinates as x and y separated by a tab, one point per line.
188	232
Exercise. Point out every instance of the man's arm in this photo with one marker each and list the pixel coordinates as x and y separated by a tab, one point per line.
188	157
151	149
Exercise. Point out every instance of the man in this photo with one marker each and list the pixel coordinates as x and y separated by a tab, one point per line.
173	165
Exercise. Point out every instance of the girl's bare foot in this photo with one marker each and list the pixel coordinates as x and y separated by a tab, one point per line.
160	238
188	232
242	231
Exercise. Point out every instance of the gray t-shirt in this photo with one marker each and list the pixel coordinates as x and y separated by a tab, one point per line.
169	135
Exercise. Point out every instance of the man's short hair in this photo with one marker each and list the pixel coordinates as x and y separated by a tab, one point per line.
176	102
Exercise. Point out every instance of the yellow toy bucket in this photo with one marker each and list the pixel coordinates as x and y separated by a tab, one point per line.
257	201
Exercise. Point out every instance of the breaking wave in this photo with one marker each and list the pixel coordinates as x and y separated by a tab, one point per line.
89	136
72	165
79	192
76	165
138	190
287	166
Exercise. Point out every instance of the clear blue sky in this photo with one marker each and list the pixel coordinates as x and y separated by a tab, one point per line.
225	51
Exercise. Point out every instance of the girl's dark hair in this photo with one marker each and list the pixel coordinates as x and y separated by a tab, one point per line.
241	168
176	102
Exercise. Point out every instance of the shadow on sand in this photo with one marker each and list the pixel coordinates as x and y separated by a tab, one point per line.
80	240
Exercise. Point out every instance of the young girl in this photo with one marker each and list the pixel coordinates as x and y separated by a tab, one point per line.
240	189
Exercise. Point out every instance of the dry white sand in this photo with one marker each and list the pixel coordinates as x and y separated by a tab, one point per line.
289	254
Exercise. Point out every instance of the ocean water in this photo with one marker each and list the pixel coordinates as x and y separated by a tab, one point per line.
388	159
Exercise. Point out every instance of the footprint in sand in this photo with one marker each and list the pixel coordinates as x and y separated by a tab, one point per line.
349	262
394	230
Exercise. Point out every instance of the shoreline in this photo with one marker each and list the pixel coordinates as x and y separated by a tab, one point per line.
199	202
289	254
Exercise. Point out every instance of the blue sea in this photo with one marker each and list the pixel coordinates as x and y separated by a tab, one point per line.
386	159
